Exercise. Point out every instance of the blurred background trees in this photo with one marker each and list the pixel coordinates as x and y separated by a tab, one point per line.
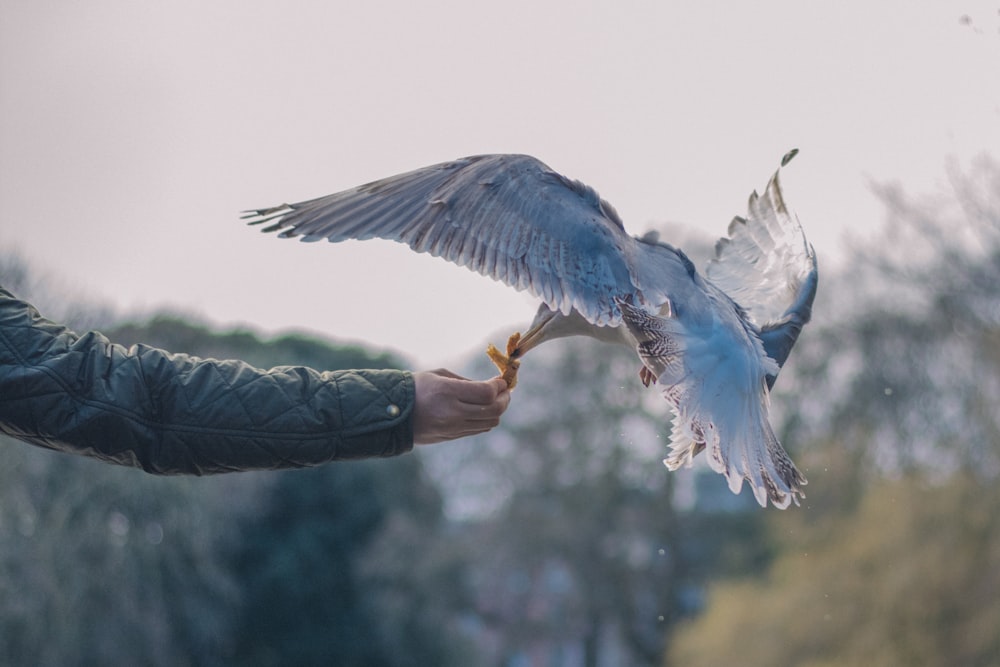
559	538
895	407
108	565
100	565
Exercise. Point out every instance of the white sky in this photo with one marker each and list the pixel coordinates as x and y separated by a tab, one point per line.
132	134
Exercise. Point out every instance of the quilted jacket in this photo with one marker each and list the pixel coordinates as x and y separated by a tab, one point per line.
176	414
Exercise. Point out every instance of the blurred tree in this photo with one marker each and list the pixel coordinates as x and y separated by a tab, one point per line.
333	571
296	564
894	558
580	560
577	555
57	300
331	565
414	573
107	565
182	334
906	367
912	579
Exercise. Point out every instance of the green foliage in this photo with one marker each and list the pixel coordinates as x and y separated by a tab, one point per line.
105	565
911	578
304	564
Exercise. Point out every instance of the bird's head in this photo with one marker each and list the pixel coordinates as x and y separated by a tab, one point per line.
549	324
537	332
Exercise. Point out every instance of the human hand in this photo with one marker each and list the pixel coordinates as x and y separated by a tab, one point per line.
448	406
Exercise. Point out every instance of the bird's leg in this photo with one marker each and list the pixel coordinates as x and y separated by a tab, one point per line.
506	363
646	376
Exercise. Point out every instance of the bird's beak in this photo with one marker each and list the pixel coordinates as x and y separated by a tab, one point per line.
534	335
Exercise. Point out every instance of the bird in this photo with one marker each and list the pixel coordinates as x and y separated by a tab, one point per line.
713	342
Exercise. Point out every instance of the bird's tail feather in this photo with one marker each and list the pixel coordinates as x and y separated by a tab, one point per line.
720	405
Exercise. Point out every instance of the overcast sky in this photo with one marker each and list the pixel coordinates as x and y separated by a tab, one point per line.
132	134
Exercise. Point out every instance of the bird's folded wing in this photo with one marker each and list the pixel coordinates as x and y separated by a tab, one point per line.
508	217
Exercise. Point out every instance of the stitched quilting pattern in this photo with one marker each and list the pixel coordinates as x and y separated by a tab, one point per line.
173	413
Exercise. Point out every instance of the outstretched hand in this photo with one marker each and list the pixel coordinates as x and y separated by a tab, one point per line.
448	406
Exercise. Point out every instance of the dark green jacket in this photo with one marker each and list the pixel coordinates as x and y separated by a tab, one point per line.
175	414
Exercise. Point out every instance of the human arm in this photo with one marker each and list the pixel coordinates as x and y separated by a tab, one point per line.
176	414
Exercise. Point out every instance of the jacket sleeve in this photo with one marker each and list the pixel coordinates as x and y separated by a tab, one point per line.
176	414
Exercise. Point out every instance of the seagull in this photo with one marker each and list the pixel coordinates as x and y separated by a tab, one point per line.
713	343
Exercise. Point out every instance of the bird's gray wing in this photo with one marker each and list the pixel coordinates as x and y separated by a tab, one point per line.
508	217
767	266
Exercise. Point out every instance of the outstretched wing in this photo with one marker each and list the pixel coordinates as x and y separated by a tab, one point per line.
767	266
508	217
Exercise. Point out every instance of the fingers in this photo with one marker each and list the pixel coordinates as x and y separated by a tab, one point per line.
487	392
448	406
473	391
